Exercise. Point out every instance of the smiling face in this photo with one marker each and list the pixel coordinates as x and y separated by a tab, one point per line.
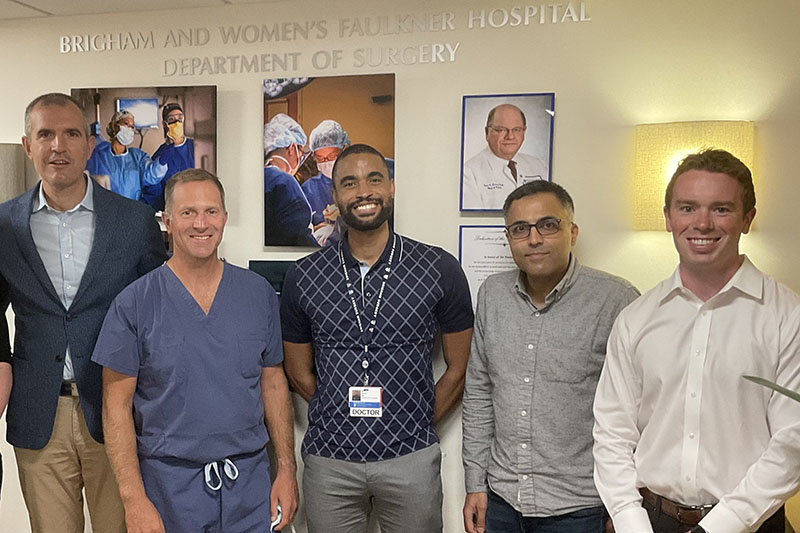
706	218
59	148
196	220
544	260
363	191
503	141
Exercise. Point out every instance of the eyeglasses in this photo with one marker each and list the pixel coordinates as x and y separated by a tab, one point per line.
504	131
325	158
546	226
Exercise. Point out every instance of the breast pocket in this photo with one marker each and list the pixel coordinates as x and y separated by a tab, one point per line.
251	352
570	366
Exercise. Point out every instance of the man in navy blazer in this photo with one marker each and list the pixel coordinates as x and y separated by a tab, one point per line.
68	248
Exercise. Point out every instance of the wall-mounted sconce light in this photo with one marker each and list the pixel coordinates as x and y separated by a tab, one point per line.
659	149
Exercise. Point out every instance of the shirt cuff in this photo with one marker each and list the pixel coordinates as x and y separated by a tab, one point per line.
722	519
475	481
632	520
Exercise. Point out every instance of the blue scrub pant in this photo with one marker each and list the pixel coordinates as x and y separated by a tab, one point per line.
179	492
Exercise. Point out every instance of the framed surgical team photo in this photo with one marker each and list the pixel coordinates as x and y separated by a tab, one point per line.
307	123
146	135
506	141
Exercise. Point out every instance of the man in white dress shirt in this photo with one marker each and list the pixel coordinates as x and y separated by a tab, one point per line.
500	168
682	441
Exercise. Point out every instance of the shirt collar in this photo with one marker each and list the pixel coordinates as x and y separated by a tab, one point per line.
40	202
561	287
747	280
496	163
351	261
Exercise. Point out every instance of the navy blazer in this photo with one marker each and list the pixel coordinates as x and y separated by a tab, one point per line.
127	244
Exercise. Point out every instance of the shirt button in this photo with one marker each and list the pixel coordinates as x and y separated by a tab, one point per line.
369	294
530	346
691	435
688	478
693	394
524	446
525	477
66	255
537	313
526	379
523	413
697	352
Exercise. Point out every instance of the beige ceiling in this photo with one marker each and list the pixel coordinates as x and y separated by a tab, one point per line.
18	9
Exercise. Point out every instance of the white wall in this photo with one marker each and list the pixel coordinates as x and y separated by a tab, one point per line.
634	62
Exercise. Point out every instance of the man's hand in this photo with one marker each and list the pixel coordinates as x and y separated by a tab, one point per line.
141	516
284	493
475	512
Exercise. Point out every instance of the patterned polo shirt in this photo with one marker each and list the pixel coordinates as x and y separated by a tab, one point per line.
424	291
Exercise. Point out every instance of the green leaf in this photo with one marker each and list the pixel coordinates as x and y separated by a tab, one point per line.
774	386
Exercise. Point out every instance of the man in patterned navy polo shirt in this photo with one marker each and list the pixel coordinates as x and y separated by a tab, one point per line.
359	321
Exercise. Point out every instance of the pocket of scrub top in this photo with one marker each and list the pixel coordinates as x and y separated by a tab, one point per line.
164	361
251	350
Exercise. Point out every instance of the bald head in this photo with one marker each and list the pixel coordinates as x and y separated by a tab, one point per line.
505	130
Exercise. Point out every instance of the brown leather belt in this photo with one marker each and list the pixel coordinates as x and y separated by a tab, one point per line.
689	515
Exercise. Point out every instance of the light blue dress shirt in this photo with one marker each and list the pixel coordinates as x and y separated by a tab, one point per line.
64	242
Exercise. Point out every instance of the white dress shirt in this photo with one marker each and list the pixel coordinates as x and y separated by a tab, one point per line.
673	413
488	180
64	242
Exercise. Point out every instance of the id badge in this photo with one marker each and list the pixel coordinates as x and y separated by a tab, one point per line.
365	401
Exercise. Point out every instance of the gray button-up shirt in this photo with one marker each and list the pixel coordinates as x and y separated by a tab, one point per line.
64	242
531	379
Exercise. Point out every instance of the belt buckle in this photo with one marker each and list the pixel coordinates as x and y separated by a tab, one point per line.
702	509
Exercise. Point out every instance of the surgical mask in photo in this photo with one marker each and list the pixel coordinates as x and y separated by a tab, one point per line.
326	168
125	135
175	130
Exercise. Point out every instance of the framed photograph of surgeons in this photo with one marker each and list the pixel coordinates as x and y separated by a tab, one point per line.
483	251
307	124
506	141
146	135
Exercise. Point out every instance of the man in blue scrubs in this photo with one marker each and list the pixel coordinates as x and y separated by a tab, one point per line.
287	214
192	357
177	152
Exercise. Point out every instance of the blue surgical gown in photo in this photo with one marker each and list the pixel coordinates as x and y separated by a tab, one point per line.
287	214
127	172
177	158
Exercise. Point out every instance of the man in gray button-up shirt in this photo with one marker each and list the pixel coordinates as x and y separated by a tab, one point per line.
538	347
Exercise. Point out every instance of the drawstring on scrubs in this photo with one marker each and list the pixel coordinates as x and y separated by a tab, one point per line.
228	467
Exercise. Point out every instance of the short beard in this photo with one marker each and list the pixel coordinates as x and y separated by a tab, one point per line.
352	221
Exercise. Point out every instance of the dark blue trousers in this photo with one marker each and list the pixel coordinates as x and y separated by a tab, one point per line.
502	518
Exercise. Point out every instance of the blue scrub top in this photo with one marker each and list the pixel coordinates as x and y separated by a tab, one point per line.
176	158
127	172
287	214
198	391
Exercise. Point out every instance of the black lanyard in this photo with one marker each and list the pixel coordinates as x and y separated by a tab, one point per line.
366	334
